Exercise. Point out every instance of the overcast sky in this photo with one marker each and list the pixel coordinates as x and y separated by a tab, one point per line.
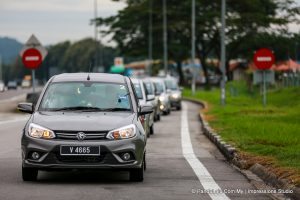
54	21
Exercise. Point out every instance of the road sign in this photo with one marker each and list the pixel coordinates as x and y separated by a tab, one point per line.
258	77
32	58
33	42
118	61
264	59
33	54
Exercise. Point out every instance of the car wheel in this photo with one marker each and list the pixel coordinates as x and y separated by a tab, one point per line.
152	130
137	175
178	107
145	163
29	174
155	118
169	111
158	117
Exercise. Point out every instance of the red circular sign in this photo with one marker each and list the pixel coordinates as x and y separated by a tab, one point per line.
32	58
264	59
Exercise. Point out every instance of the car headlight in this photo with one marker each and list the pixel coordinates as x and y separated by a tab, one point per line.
37	131
122	133
176	95
161	98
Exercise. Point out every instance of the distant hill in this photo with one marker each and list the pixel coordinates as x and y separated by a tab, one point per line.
9	49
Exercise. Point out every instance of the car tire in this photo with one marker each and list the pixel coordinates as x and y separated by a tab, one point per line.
158	117
178	107
145	163
152	130
137	175
169	111
29	174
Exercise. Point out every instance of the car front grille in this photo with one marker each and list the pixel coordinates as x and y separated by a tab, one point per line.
64	135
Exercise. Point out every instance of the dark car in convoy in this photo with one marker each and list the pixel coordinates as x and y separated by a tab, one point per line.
85	121
12	85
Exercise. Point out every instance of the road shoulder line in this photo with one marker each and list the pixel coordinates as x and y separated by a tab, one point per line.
205	178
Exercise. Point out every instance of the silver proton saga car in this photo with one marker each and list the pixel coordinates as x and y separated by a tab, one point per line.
85	121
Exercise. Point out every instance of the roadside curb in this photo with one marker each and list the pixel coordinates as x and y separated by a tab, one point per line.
232	156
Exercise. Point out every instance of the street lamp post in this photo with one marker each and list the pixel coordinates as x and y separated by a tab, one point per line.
1	75
223	54
193	46
150	38
165	37
96	32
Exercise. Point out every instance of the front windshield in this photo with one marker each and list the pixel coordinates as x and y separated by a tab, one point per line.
159	87
138	90
149	88
171	84
96	95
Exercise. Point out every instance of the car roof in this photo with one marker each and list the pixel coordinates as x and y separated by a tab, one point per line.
96	77
157	79
135	80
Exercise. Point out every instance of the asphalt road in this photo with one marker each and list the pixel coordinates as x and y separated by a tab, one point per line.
12	94
181	163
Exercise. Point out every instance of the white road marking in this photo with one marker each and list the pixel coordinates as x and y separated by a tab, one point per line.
18	97
205	178
14	120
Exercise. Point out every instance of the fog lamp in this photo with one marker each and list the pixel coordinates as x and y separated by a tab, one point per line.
126	156
35	155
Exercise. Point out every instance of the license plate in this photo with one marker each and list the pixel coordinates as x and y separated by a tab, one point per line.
79	150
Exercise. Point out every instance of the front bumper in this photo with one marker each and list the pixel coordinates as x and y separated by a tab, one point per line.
175	102
109	158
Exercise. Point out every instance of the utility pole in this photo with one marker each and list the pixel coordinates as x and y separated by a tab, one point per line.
150	56
96	33
193	46
165	37
223	54
1	73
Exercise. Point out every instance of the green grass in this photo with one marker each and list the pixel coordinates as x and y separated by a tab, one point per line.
272	131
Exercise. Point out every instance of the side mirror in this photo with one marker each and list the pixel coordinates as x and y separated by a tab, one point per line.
169	91
33	97
150	97
144	110
181	88
25	107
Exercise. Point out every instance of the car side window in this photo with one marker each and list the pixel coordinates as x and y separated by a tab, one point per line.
134	94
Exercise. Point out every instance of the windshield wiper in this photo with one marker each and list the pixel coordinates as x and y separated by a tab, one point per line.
116	109
81	108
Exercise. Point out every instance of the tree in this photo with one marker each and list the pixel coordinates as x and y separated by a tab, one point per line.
245	19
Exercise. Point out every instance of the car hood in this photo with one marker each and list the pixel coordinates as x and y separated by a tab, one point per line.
82	121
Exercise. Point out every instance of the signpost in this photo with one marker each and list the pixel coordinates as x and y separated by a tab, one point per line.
263	60
33	54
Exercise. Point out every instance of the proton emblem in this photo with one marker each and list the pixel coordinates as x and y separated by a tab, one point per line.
81	136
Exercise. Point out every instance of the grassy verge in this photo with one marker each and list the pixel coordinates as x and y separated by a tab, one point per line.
270	135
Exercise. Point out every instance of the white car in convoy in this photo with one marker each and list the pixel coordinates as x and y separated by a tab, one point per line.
144	99
150	90
162	95
2	86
